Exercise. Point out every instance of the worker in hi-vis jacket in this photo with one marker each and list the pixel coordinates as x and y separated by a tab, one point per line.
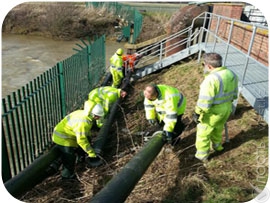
106	96
166	105
214	105
116	68
73	131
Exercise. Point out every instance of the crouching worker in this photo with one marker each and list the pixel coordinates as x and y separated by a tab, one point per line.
73	132
106	96
166	105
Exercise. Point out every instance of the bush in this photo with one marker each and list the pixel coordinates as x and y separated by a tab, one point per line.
65	20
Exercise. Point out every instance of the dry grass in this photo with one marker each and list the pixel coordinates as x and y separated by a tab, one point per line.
174	176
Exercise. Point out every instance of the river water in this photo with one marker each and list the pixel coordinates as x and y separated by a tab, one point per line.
26	57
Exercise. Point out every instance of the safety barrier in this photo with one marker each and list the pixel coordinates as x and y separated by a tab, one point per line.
134	19
30	114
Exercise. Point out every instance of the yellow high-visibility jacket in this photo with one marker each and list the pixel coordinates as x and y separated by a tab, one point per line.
73	130
116	70
105	96
169	104
218	90
117	62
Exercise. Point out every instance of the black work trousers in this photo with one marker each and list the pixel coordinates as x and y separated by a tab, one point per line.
68	157
178	128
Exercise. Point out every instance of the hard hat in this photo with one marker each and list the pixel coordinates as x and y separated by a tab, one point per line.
119	52
88	106
98	110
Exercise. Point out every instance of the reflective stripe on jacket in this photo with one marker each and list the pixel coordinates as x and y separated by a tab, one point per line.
105	96
73	130
169	104
219	87
116	62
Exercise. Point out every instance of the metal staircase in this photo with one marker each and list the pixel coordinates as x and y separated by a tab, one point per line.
253	75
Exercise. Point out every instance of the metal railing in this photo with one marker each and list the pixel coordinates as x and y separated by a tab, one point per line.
222	35
30	114
201	36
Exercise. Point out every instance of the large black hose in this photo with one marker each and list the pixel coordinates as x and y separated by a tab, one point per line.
35	173
103	135
104	131
120	186
107	79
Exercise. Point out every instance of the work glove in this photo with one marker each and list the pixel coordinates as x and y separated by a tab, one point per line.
152	121
195	117
167	137
90	161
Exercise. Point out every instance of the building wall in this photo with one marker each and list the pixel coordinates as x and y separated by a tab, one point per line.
241	33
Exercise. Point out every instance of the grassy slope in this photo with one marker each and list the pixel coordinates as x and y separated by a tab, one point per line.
174	176
229	175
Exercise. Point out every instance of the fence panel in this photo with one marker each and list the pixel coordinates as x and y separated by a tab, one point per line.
133	17
30	114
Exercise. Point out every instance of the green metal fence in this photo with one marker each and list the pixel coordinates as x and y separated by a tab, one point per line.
133	17
30	114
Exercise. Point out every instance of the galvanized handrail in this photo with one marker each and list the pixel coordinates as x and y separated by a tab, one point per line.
208	37
159	50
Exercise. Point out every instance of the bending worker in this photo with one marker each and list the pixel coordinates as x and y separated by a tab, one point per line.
116	68
214	105
165	104
73	132
105	96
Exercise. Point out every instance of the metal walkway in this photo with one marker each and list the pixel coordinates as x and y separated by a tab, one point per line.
253	75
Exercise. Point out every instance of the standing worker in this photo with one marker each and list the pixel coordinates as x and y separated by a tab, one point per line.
105	96
165	104
73	132
214	105
116	68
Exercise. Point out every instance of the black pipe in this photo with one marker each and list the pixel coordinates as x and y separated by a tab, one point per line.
104	131
103	135
108	78
35	173
120	186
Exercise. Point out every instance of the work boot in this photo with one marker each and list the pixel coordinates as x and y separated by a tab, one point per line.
202	159
67	175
